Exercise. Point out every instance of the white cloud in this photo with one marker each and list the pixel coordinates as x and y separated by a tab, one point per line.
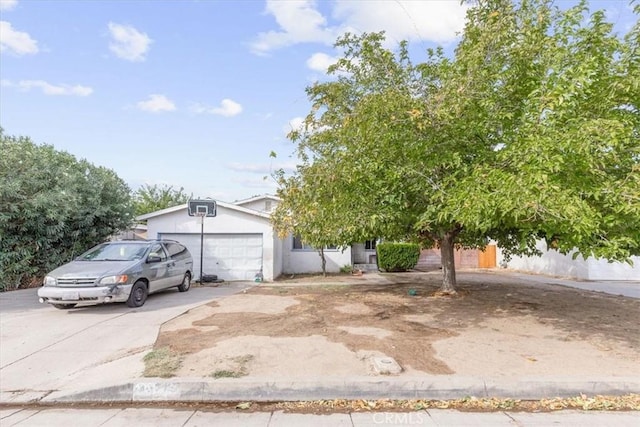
260	168
320	62
436	20
266	184
300	21
156	104
247	167
15	41
294	124
128	43
8	4
50	89
227	108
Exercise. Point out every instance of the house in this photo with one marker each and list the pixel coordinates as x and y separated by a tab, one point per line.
239	243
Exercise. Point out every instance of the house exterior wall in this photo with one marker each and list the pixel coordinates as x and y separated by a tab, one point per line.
278	255
358	254
308	261
259	205
556	264
361	255
227	221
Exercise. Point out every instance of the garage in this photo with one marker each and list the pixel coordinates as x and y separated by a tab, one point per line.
229	256
239	241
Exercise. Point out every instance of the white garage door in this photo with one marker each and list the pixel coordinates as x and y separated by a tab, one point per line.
229	256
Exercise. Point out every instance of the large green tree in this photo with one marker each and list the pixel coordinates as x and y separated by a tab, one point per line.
53	207
151	198
529	131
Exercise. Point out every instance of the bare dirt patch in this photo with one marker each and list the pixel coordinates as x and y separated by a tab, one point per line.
496	327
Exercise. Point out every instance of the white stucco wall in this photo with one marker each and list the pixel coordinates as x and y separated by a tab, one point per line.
600	269
308	261
278	255
227	221
360	255
555	264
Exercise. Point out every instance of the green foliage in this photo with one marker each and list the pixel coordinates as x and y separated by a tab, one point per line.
52	208
397	256
347	268
151	198
530	131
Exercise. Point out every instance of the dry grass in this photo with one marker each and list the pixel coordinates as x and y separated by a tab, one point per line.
239	369
162	363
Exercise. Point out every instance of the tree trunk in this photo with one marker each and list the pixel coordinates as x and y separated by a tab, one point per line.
324	262
448	263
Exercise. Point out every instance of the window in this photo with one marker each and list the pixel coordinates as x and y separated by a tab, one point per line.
175	249
298	244
157	250
370	245
267	205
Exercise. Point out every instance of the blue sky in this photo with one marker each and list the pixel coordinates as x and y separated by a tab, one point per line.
191	93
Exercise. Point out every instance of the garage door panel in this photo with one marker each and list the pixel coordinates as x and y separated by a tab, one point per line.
229	256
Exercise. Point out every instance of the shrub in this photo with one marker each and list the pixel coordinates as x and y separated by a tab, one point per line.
53	207
397	256
346	268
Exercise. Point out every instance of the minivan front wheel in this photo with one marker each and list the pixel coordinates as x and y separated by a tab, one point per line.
63	306
138	294
186	283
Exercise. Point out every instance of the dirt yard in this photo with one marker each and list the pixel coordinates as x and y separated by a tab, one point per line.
335	326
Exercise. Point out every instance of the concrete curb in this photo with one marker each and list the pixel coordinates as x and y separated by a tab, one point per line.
255	389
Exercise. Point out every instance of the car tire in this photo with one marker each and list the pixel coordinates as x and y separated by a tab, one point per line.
138	294
186	283
64	306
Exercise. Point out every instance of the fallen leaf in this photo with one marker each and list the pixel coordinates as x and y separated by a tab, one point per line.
243	405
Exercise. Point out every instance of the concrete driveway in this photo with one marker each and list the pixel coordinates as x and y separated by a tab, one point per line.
45	349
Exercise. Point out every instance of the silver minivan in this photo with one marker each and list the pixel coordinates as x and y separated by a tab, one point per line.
119	271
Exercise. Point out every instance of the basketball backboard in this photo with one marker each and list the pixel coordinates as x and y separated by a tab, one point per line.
202	207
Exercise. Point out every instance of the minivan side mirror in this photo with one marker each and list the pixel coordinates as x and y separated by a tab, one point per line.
153	258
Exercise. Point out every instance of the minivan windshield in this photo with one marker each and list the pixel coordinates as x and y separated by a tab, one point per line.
114	252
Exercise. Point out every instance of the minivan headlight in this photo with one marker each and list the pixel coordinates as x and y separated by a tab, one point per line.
112	280
49	281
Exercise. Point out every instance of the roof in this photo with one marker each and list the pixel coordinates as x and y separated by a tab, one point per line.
184	206
256	198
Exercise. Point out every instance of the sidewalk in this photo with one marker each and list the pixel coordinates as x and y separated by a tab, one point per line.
628	288
189	418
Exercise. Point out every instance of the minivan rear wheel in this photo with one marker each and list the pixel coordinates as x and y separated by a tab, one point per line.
138	294
186	283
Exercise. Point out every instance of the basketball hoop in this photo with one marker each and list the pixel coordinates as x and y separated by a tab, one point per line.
201	209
